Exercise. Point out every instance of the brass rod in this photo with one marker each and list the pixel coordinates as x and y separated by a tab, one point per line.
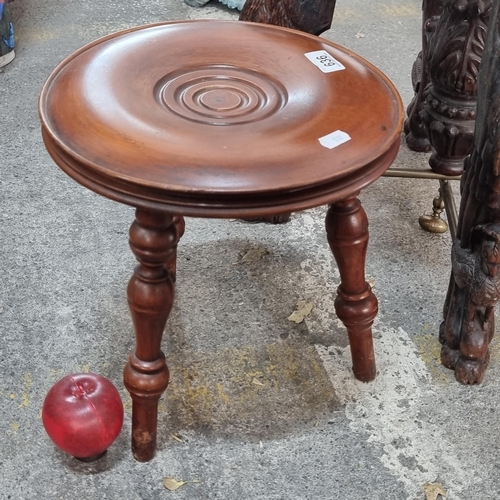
416	173
449	206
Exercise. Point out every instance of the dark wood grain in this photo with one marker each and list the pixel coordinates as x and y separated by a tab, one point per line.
311	16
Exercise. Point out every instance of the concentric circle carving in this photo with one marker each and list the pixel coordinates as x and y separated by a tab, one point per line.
221	95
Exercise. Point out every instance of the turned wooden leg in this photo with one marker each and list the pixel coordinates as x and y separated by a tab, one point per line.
356	306
153	240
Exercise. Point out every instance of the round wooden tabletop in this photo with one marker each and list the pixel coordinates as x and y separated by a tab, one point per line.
220	119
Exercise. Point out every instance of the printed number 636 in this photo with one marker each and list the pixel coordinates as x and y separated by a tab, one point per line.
325	60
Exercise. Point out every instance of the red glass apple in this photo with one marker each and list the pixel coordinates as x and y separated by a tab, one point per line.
83	415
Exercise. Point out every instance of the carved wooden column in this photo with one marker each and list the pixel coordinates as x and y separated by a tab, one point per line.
355	304
453	57
468	324
416	131
153	240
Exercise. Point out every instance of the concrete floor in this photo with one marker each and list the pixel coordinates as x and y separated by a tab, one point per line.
310	431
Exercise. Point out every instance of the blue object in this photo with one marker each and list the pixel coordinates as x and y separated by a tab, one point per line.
6	34
10	40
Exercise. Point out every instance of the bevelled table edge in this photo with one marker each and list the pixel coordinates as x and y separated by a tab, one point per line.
229	206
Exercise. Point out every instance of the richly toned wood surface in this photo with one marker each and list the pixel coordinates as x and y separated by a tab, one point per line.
468	325
151	121
230	132
313	16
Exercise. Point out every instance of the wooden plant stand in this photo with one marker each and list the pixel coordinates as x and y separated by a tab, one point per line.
283	122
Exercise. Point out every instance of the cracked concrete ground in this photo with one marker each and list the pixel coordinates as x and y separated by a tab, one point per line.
261	408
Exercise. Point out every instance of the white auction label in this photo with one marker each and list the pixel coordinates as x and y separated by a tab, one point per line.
334	139
324	61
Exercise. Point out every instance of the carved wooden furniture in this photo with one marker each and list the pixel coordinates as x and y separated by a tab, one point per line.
443	116
444	112
468	325
283	122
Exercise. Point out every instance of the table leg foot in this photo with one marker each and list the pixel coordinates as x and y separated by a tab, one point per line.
356	305
153	240
466	333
